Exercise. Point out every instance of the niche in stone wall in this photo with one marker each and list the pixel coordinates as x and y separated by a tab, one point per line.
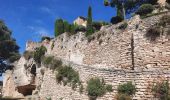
33	70
26	90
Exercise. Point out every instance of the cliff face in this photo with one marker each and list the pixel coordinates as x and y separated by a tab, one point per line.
113	54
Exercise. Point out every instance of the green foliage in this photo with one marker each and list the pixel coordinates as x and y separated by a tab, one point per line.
109	88
39	53
106	2
164	20
153	2
28	54
96	87
127	88
81	88
161	90
67	74
97	25
90	29
123	97
9	50
80	29
45	38
59	27
66	26
153	32
123	26
116	19
52	63
48	60
52	45
145	9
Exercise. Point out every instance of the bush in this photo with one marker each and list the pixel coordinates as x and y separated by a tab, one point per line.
48	60
145	9
67	74
127	88
97	25
116	19
123	97
106	2
45	38
52	45
96	87
153	2
164	20
39	53
109	88
28	54
161	90
123	26
153	33
80	29
52	63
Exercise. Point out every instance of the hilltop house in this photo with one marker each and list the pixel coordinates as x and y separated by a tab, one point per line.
81	21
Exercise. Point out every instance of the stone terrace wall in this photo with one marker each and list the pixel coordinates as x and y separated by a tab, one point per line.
148	54
143	80
110	48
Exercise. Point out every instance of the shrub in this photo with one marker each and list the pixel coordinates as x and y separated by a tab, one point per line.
161	90
48	60
52	46
80	29
28	54
67	74
109	88
39	53
153	32
164	20
97	87
45	38
145	9
127	88
52	63
123	97
116	19
123	26
97	25
153	2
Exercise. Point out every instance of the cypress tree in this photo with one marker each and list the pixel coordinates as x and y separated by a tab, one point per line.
90	29
59	27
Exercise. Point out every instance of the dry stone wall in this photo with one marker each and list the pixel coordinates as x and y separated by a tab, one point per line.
110	54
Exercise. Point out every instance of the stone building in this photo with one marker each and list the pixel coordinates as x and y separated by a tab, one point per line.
81	21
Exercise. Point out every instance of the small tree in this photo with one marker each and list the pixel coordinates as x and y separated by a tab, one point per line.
59	27
90	29
39	53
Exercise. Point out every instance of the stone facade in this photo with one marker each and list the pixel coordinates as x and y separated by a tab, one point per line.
81	21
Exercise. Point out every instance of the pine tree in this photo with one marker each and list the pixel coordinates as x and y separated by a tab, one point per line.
90	29
126	6
9	50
